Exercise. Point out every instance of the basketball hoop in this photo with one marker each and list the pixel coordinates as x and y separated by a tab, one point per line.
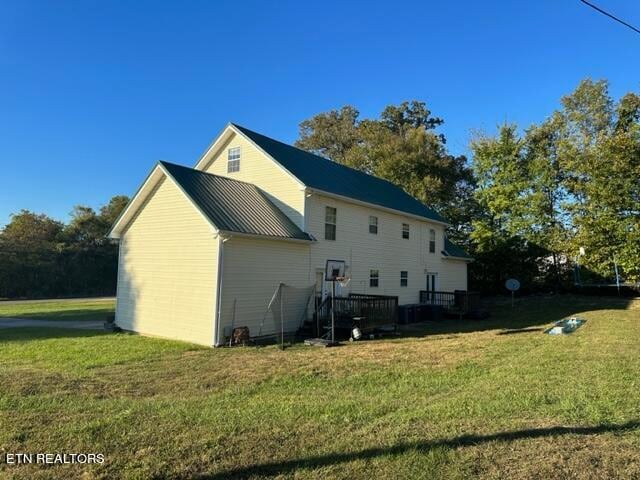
343	281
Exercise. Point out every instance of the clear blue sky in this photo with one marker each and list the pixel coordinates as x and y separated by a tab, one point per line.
92	93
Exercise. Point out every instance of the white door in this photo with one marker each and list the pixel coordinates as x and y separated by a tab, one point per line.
321	285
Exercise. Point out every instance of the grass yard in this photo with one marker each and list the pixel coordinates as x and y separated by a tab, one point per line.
485	399
75	309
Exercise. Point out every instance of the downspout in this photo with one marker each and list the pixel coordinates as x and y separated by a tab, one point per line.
217	314
115	313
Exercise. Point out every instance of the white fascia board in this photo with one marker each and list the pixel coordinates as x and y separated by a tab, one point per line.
135	202
214	147
373	205
140	197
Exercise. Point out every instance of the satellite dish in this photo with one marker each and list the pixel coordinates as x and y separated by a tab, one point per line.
512	284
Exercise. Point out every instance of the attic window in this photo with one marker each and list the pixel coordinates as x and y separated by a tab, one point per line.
233	160
405	230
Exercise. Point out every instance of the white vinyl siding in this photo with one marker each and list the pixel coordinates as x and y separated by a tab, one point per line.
387	252
167	273
252	271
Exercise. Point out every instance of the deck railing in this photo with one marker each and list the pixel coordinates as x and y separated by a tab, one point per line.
370	311
461	301
439	299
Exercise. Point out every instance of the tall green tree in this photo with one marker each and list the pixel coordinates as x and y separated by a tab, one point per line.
499	231
568	183
599	151
400	146
544	212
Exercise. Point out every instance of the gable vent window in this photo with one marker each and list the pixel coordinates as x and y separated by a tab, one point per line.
405	230
373	225
330	218
233	160
374	277
404	278
432	241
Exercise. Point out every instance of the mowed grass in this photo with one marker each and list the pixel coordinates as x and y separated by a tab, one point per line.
76	309
485	399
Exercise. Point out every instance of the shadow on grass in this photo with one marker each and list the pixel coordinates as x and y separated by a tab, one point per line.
289	466
80	314
528	315
26	334
521	330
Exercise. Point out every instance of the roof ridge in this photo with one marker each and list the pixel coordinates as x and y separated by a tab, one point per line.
319	157
339	179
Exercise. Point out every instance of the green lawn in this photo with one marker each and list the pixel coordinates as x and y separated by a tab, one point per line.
488	399
77	309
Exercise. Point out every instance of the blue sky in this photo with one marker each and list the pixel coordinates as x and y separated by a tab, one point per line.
92	93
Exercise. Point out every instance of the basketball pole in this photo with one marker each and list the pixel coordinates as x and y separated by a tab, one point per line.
281	318
333	296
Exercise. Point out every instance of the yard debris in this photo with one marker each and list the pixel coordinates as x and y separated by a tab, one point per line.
565	326
240	336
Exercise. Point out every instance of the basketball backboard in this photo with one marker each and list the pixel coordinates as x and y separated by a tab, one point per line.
334	270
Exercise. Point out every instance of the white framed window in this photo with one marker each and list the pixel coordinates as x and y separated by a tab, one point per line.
330	221
405	230
374	278
432	241
373	225
233	160
404	278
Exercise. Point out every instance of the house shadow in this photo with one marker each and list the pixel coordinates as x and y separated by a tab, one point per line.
290	466
528	315
26	334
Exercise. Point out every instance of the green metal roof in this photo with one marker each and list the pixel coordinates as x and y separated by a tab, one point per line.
319	173
452	250
233	206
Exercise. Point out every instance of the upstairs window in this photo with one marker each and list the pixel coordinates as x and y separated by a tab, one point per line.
404	278
373	225
405	230
233	160
330	217
432	241
374	277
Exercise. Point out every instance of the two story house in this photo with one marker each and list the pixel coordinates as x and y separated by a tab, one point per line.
203	249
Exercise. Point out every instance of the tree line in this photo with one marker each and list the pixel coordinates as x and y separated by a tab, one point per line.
530	203
42	257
